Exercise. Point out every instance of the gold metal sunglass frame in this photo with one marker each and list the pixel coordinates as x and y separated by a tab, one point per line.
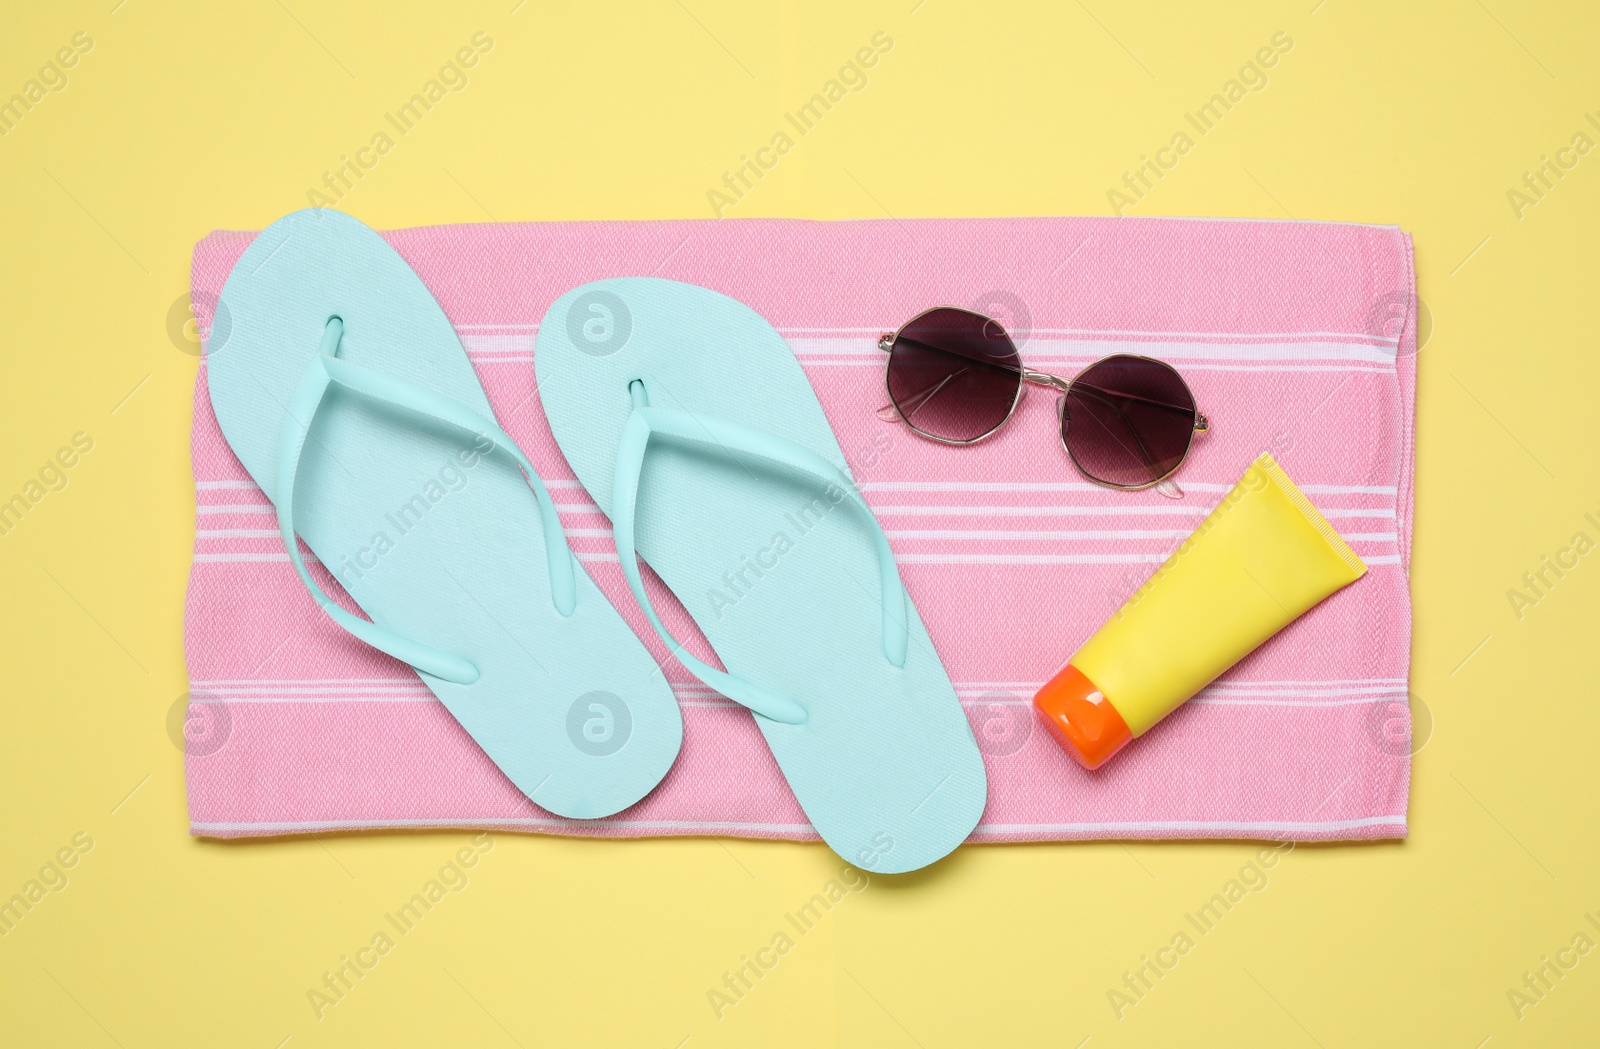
1062	384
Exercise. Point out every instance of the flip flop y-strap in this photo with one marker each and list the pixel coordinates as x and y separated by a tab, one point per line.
731	439
326	370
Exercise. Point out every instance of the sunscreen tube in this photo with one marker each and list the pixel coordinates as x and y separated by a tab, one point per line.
1262	558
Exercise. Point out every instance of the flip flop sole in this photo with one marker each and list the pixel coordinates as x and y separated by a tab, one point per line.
780	574
432	537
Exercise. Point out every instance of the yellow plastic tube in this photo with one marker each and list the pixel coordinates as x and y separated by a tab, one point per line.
1262	558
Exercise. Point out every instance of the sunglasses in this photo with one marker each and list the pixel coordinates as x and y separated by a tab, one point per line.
956	377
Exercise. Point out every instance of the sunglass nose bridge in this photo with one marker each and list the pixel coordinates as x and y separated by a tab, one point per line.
1046	379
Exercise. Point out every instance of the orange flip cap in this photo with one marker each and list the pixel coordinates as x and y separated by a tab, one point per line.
1081	717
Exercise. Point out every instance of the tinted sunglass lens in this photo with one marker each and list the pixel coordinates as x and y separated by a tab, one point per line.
954	374
1128	421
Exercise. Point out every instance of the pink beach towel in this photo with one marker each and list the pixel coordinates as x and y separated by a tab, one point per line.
1297	338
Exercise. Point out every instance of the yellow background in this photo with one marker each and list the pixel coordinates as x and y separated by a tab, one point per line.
187	118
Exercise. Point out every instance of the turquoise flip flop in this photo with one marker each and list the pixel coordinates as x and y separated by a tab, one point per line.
347	396
686	416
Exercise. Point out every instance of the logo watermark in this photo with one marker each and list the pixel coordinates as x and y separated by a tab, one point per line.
1002	723
1252	78
1549	173
451	79
53	476
1387	316
451	477
738	982
1138	982
339	981
1538	982
1538	583
52	878
186	317
51	79
1009	311
1399	727
599	723
199	725
599	323
852	77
